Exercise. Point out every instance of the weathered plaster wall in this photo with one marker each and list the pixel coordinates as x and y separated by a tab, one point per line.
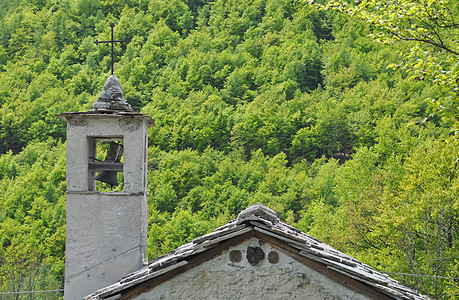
251	270
101	227
106	233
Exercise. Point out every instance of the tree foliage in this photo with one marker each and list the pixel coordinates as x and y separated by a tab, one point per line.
430	27
270	101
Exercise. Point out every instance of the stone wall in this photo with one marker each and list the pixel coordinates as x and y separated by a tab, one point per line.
251	270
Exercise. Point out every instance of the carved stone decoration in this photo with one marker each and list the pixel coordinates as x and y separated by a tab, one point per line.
235	256
273	257
129	125
112	97
78	121
255	255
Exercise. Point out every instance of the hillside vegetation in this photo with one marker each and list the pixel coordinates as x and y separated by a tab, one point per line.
269	101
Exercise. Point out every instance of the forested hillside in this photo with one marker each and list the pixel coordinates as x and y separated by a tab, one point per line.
270	101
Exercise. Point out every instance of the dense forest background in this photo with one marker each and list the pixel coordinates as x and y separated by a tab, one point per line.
270	101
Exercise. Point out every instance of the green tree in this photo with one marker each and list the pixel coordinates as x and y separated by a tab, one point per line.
430	27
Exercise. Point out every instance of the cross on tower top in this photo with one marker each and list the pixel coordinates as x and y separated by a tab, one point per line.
112	42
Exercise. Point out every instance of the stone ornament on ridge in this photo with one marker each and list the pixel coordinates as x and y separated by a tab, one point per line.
258	212
112	97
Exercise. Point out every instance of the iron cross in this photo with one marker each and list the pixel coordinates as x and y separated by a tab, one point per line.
112	42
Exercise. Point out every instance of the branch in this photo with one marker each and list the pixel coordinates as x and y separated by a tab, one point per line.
427	41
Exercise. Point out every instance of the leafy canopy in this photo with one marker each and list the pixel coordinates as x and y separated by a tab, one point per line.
431	27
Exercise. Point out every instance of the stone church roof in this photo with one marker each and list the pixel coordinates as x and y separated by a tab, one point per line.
260	219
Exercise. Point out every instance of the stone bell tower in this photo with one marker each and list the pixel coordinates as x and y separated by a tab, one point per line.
106	233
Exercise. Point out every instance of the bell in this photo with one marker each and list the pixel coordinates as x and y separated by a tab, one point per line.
109	177
114	155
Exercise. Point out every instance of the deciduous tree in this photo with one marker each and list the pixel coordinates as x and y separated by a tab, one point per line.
431	29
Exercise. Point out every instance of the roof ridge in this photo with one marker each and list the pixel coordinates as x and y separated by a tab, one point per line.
258	212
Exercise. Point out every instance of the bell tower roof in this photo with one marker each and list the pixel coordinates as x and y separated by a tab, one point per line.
112	97
110	103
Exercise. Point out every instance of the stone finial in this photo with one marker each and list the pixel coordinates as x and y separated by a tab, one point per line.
258	212
112	97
